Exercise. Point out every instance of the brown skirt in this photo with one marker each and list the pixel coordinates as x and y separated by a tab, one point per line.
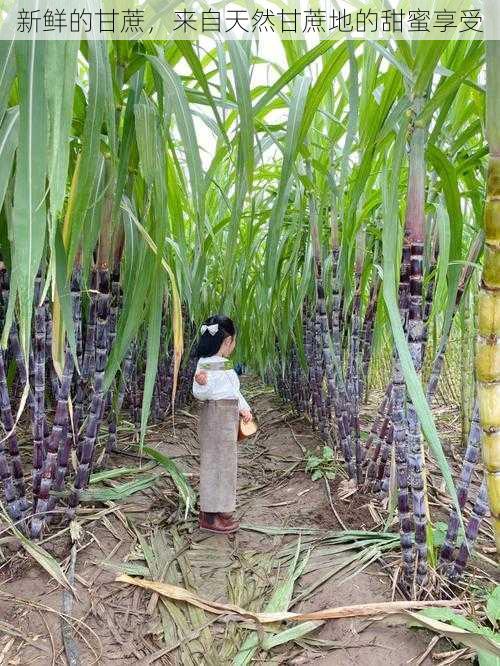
218	432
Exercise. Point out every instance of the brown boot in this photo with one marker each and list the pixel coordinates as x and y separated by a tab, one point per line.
220	523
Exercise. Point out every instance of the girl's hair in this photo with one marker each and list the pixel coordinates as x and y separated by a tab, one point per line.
208	344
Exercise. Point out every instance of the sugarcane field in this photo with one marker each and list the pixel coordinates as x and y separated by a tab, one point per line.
249	333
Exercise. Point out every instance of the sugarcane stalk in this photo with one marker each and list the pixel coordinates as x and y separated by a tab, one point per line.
415	440
378	426
51	371
57	441
39	451
86	448
414	239
88	365
479	510
385	448
76	304
367	337
11	474
386	458
471	457
400	430
488	340
353	388
116	408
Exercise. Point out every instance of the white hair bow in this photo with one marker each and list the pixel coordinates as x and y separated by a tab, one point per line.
212	329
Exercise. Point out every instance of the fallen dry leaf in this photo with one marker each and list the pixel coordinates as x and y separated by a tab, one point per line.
357	610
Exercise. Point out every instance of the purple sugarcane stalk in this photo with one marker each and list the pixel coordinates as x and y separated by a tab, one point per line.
353	384
400	429
367	338
415	444
319	376
76	303
90	331
471	458
39	451
12	479
86	448
479	510
115	411
57	441
384	458
386	455
51	372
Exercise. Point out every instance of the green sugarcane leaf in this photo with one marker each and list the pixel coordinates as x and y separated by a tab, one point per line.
93	216
493	606
236	214
187	50
323	84
64	293
293	73
152	349
128	136
9	136
241	73
120	492
175	95
90	152
7	73
461	630
119	471
288	635
427	58
292	147
29	215
449	180
60	74
185	491
134	303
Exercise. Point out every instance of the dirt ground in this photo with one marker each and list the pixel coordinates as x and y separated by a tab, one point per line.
115	624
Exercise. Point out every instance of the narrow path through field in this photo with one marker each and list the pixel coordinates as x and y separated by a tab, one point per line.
142	535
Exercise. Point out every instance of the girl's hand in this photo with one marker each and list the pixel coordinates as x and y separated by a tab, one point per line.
201	377
246	415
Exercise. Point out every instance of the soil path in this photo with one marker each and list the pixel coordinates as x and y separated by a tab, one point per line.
143	534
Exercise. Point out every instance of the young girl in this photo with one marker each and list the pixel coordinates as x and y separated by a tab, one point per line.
218	387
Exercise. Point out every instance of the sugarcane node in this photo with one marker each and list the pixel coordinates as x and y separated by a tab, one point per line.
489	399
489	313
487	360
491	269
493	485
491	450
492	220
493	177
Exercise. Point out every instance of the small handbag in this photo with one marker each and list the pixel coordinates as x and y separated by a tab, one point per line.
246	429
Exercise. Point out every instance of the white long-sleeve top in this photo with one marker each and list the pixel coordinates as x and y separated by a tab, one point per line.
222	384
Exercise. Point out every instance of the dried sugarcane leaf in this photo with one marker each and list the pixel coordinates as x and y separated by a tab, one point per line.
357	610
